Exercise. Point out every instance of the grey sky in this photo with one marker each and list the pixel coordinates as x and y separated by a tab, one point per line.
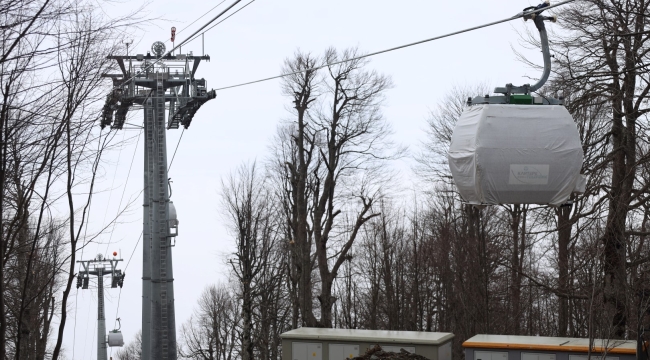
239	124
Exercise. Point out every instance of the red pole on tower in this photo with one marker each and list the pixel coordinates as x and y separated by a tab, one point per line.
173	35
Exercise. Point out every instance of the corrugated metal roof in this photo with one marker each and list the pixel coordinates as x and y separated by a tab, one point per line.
378	336
550	344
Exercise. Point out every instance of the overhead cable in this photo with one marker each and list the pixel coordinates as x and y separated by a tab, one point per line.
119	297
175	150
110	194
189	41
226	18
520	15
128	176
201	17
203	27
162	57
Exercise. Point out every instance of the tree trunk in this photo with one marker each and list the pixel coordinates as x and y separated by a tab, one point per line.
3	167
564	239
247	312
326	302
516	262
301	90
623	170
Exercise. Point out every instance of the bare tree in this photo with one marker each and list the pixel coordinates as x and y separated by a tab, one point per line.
24	147
132	351
249	208
333	150
53	55
211	333
602	51
295	152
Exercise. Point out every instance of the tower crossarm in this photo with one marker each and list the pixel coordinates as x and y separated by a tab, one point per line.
185	112
183	93
141	57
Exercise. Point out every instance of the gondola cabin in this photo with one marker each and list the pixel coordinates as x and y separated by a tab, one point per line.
517	148
516	154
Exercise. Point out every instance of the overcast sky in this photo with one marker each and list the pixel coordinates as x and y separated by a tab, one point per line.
239	125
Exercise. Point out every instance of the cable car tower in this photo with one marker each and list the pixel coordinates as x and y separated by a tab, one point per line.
160	83
101	267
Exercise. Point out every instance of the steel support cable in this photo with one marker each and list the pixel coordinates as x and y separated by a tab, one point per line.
87	322
76	296
181	137
227	17
110	239
131	257
162	57
118	211
177	144
119	297
189	41
203	27
201	17
110	194
186	41
125	184
520	15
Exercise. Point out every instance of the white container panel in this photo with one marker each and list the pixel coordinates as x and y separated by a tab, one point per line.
343	351
299	351
537	356
444	351
314	351
306	351
593	357
490	355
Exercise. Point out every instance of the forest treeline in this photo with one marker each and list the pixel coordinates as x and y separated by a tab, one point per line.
326	233
51	92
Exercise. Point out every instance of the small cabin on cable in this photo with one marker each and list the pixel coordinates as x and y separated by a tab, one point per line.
510	347
516	154
340	344
516	148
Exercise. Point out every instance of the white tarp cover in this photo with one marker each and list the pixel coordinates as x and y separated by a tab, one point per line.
516	154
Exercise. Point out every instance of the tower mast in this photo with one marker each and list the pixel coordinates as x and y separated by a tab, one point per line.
164	83
100	267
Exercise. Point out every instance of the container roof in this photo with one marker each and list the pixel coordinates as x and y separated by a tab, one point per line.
380	336
550	344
